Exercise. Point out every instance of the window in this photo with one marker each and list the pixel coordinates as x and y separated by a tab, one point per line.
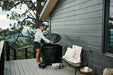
111	25
108	28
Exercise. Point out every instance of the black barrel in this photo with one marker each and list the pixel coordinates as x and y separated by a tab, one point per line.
52	53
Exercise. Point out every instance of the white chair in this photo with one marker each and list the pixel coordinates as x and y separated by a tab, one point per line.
73	57
73	54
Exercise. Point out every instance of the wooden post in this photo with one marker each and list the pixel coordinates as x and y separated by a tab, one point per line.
14	54
7	51
2	66
25	53
2	61
34	52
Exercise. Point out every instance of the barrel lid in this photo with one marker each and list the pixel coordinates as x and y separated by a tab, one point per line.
54	37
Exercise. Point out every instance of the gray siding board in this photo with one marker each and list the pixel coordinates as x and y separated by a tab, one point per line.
80	12
90	42
83	21
94	48
80	27
70	4
78	33
83	6
92	34
76	24
65	2
78	16
73	3
74	39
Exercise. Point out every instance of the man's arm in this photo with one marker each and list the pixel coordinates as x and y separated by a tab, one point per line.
44	38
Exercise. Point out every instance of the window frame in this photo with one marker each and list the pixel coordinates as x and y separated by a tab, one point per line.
106	26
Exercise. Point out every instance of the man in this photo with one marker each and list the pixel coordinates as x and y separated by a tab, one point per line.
38	36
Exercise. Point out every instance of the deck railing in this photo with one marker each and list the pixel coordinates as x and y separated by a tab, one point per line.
15	51
2	58
5	52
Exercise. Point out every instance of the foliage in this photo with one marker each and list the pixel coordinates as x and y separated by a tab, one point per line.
29	18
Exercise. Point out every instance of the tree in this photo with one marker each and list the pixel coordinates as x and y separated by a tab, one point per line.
29	18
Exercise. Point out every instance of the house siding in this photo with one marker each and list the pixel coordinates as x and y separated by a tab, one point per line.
80	22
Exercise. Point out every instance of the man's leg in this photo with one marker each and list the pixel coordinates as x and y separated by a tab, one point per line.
38	56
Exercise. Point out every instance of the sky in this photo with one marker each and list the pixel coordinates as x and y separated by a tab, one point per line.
4	21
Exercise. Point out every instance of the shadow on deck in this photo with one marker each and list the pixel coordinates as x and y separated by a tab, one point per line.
29	67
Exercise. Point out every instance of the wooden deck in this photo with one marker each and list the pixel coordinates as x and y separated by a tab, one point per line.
29	67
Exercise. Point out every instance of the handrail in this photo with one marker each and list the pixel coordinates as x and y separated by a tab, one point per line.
24	47
8	48
2	58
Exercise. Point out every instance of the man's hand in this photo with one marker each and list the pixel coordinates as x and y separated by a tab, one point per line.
51	42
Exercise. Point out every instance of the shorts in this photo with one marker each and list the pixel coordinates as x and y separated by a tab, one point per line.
37	45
